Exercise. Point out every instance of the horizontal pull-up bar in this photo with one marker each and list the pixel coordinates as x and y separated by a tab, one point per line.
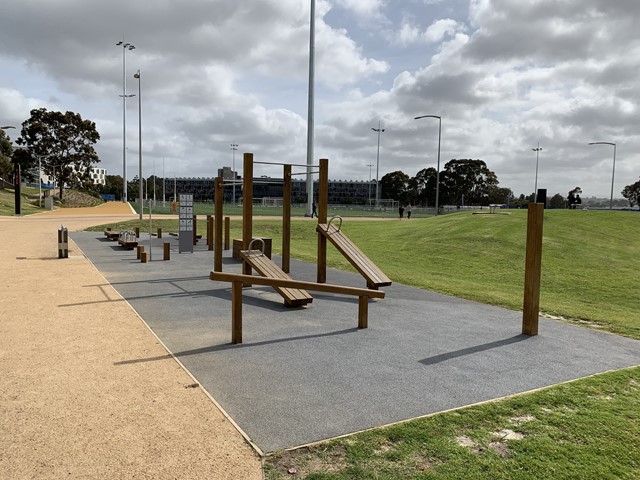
292	164
305	173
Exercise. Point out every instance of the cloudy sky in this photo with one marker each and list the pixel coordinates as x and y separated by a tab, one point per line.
503	74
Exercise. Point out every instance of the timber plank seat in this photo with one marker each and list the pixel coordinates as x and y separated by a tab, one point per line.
293	297
373	275
112	234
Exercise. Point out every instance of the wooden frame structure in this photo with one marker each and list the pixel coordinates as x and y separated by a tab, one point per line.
238	280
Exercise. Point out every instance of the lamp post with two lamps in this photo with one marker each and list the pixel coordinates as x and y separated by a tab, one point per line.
613	173
438	166
125	47
379	131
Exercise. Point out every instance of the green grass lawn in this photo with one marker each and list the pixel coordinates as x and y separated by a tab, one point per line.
589	429
27	207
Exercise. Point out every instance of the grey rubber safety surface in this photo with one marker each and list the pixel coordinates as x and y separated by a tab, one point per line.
307	374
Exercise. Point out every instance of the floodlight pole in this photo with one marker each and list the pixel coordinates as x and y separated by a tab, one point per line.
137	75
613	173
535	188
438	168
310	119
379	131
125	47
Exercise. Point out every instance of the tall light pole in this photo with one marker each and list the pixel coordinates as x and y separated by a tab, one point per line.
613	173
310	119
379	131
125	47
234	148
370	165
138	77
438	167
535	188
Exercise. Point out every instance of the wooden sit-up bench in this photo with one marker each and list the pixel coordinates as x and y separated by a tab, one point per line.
293	297
237	280
373	275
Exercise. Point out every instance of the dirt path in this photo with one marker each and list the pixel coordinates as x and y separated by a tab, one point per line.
67	408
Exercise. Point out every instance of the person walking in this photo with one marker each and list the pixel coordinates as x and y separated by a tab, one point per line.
409	208
314	210
401	211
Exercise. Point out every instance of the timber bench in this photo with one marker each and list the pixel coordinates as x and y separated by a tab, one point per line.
238	280
112	234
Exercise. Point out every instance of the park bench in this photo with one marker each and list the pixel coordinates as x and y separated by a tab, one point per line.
112	234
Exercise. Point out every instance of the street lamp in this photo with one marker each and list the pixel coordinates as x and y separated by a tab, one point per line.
125	47
535	188
613	173
310	106
6	127
369	165
137	76
379	131
438	168
234	147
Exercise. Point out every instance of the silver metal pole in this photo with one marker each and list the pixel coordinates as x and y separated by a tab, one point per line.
379	130
163	196
613	176
438	166
234	147
138	76
310	116
535	188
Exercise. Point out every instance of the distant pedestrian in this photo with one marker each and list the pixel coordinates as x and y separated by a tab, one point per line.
314	210
409	212
401	211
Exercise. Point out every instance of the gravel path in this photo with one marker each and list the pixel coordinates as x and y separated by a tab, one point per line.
67	408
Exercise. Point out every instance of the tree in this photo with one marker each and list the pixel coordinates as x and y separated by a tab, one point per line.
6	151
499	195
421	189
557	201
469	178
394	185
632	193
64	144
573	198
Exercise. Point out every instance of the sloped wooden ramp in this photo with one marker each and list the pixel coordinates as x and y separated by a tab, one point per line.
373	275
293	297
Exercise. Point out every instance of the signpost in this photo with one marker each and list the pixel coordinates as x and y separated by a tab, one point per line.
186	223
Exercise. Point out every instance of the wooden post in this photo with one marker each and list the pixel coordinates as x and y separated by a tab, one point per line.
195	229
159	232
227	232
139	250
210	232
363	311
247	207
167	251
143	257
137	232
217	237
323	206
532	269
236	312
286	219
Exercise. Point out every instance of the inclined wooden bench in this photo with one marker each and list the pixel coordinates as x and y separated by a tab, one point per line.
127	240
373	275
238	280
293	297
